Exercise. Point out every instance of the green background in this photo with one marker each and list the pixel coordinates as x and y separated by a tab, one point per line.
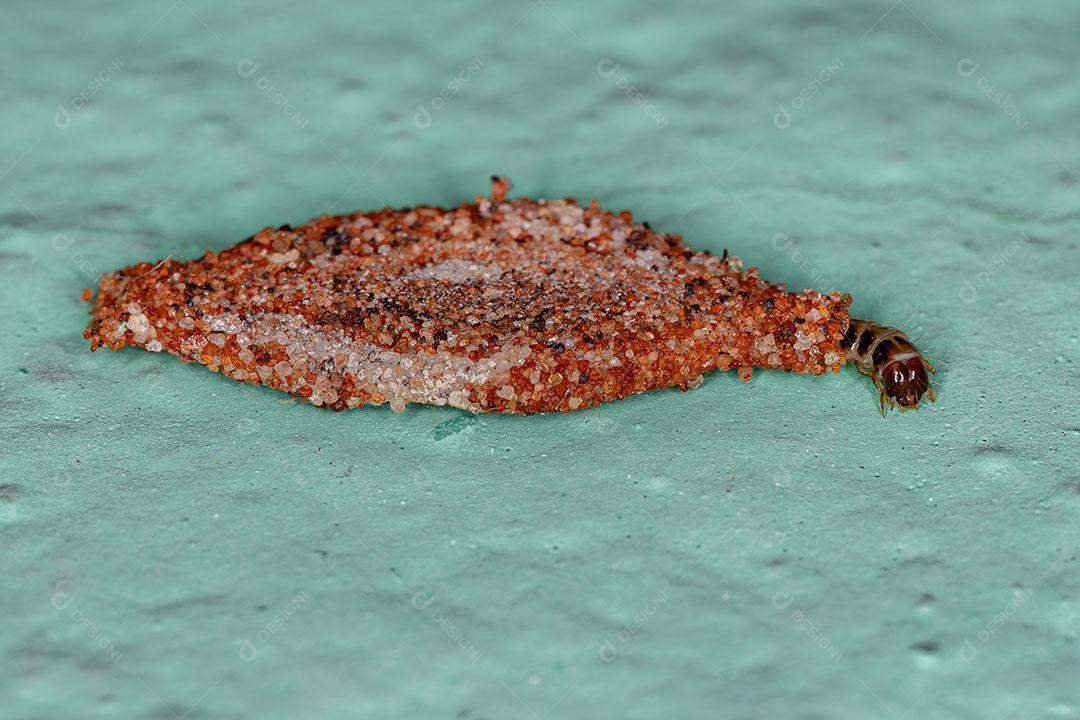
177	545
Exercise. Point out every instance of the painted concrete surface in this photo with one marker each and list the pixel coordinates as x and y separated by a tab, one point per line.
175	544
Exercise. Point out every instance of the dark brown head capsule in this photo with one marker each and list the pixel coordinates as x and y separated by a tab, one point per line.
892	361
906	382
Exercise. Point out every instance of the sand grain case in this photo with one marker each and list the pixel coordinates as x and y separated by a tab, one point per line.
515	306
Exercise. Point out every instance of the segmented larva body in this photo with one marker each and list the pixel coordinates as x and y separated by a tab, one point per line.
892	361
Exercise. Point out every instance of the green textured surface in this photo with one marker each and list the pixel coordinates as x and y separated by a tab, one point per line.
767	550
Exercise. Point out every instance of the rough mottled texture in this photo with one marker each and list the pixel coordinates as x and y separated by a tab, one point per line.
714	540
517	307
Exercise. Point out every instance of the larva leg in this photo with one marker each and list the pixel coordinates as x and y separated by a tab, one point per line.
929	386
881	391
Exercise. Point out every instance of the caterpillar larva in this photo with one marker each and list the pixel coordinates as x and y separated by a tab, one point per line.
892	361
